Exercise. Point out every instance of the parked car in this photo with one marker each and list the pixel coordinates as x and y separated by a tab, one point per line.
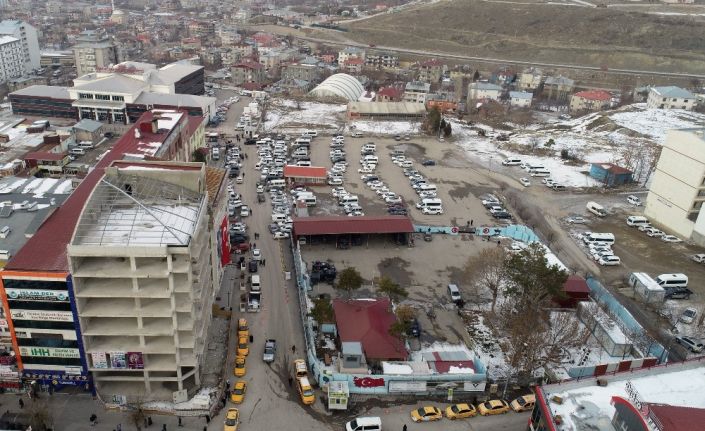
576	220
232	419
460	411
281	235
493	407
670	238
678	293
690	343
237	396
609	260
239	370
427	413
688	315
525	182
270	350
523	403
429	162
633	200
654	233
700	258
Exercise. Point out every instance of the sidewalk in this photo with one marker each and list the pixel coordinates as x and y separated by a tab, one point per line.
71	413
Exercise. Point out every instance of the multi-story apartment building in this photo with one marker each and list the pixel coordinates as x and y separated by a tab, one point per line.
677	192
670	98
350	52
431	71
11	58
247	71
27	36
416	92
306	72
93	51
382	61
530	79
483	90
591	100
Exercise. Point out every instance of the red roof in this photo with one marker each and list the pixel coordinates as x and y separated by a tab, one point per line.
292	171
252	86
613	168
391	92
594	95
44	155
368	322
675	418
432	63
576	284
332	225
46	250
248	65
443	366
354	61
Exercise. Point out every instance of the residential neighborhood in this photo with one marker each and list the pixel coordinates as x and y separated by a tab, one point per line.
189	238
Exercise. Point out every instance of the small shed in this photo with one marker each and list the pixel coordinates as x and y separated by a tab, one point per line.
610	174
575	289
352	354
607	332
88	130
306	175
338	395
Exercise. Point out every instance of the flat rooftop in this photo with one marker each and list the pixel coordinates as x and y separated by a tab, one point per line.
586	405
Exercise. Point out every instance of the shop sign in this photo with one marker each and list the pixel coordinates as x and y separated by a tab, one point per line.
50	352
43	315
37	295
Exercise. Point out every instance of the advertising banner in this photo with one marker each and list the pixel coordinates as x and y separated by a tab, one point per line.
44	315
118	360
407	386
135	361
50	352
224	240
37	295
100	360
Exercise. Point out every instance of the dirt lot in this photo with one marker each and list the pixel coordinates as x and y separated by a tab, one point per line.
548	33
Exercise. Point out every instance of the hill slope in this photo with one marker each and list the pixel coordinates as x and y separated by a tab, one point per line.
545	33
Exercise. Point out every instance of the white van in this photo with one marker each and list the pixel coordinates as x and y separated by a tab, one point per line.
311	133
278	183
637	221
303	141
304	163
348	199
216	153
372	423
77	151
278	217
431	203
426	188
596	209
672	280
5	232
5	255
540	172
85	144
511	162
371	159
254	283
533	165
454	293
594	237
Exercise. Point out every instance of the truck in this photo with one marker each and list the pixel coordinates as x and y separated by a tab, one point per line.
254	302
270	350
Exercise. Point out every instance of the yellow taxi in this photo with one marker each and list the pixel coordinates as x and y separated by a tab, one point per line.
232	419
426	414
242	329
524	403
300	369
238	394
493	407
242	348
306	393
460	411
239	369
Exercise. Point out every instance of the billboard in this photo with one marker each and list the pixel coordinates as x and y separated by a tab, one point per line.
44	315
50	352
99	359
135	361
37	295
118	360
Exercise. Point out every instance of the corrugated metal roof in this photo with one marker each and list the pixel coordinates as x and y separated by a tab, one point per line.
304	171
332	225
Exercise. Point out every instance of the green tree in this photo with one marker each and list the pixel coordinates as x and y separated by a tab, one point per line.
405	317
532	282
349	279
550	143
391	289
198	156
322	310
433	120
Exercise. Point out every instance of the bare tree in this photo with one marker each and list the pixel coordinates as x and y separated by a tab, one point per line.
137	415
487	270
40	417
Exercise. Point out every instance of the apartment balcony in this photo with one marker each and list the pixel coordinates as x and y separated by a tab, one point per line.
159	345
118	267
90	287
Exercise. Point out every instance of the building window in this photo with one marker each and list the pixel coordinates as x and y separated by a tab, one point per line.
102	97
697	205
85	96
693	216
118	98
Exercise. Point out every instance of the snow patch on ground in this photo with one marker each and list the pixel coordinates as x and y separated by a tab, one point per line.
283	114
386	127
656	122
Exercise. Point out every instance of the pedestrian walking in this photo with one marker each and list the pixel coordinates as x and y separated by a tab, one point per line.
163	427
21	403
119	427
180	422
93	419
146	423
290	381
251	339
264	262
149	421
471	222
208	419
227	384
404	428
293	349
255	245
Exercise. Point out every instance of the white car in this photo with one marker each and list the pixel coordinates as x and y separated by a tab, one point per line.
256	254
654	233
244	211
597	255
335	181
670	238
576	220
280	235
432	211
688	315
260	188
393	200
644	227
634	200
239	179
609	260
700	258
356	134
356	213
525	182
